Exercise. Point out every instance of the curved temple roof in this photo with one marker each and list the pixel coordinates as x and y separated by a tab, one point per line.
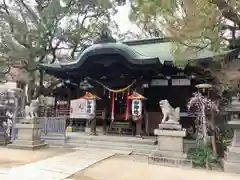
140	52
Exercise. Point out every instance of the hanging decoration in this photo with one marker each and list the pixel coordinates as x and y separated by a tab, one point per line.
116	94
123	95
105	87
113	106
113	94
116	90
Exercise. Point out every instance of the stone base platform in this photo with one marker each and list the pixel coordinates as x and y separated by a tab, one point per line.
170	161
231	167
231	162
2	139
28	147
28	137
170	126
170	150
169	154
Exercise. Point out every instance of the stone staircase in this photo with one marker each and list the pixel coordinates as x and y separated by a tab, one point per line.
117	144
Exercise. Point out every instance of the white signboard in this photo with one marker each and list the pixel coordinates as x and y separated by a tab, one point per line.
49	100
181	82
159	82
78	109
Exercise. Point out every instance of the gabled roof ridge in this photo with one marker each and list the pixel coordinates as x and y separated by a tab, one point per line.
146	41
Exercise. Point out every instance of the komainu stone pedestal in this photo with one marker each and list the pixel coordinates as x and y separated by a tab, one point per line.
28	137
231	161
170	144
2	137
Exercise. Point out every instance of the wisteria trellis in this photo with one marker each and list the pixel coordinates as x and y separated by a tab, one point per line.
200	105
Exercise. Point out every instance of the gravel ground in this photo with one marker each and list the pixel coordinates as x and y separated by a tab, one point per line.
13	157
137	168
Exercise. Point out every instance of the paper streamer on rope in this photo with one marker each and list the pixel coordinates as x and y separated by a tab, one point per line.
117	90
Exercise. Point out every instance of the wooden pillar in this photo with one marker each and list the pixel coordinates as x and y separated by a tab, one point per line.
139	89
146	120
69	96
139	127
93	124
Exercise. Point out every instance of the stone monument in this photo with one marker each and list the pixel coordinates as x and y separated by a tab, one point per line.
170	135
231	160
28	130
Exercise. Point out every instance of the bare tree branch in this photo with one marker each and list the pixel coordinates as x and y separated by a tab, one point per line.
30	11
227	11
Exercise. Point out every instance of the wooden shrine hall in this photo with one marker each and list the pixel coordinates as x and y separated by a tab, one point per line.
114	70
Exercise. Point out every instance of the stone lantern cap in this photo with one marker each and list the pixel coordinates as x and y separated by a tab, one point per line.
204	86
136	96
90	96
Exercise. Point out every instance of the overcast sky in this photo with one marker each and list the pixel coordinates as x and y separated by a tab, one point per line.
122	19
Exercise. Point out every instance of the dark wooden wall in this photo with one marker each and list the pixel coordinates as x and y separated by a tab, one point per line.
176	95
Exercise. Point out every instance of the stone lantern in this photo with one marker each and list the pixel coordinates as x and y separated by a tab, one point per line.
232	155
204	89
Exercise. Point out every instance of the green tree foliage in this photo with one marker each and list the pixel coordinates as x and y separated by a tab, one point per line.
192	24
37	31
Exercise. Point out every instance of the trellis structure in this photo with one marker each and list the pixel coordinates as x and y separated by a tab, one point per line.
201	105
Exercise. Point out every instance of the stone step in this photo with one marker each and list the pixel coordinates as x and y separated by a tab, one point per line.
135	150
88	149
111	143
112	138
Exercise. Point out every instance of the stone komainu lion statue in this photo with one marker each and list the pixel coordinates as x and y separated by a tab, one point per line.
31	111
169	113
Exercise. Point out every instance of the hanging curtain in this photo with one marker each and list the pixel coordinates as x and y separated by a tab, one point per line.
113	106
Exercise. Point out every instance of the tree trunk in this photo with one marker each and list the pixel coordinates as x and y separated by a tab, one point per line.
204	124
213	127
30	90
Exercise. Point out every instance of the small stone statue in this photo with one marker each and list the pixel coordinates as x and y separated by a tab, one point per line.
31	111
170	115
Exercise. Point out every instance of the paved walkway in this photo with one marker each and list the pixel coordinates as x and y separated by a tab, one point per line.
55	168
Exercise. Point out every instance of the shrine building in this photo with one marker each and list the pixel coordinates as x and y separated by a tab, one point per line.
114	70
